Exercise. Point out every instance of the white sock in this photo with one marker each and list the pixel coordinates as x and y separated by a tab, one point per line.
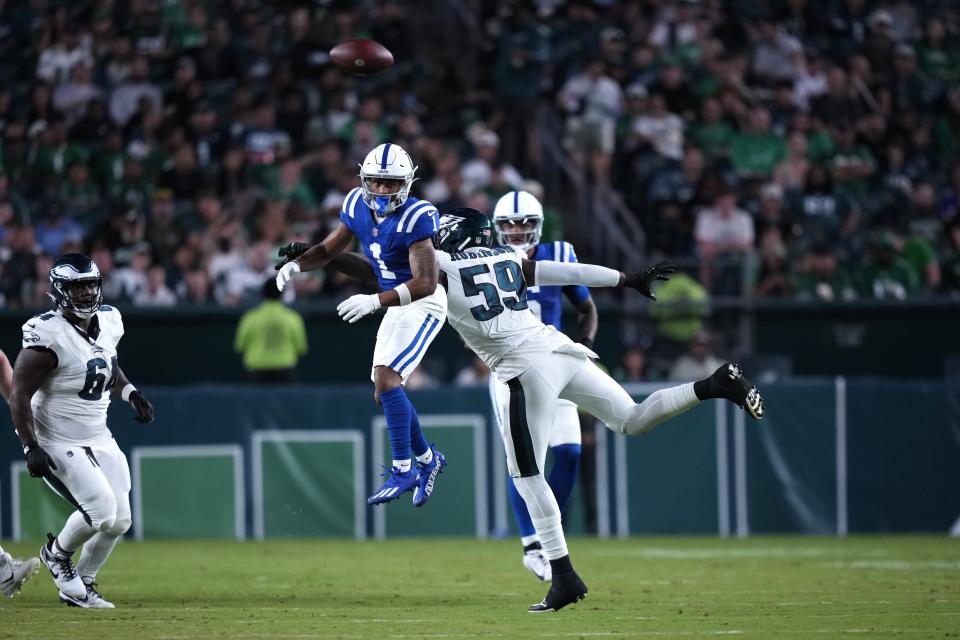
403	465
544	513
659	406
528	540
75	532
94	555
426	457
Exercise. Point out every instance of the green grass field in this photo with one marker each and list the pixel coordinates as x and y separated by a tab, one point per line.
659	587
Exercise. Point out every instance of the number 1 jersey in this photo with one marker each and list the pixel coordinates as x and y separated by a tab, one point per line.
387	243
487	305
71	405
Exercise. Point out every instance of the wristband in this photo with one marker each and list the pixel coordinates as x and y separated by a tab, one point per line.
404	294
127	390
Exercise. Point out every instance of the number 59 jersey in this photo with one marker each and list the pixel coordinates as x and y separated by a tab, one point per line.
71	405
487	305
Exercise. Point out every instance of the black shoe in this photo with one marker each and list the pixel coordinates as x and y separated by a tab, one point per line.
731	384
566	589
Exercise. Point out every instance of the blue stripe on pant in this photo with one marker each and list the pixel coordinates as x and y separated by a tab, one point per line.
413	343
426	339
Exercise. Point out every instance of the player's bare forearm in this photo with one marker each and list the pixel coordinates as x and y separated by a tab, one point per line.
29	372
120	383
354	265
425	270
587	320
324	251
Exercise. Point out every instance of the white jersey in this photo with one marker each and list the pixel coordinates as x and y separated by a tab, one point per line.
70	407
487	305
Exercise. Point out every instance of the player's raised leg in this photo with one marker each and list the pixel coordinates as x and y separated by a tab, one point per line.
15	573
600	395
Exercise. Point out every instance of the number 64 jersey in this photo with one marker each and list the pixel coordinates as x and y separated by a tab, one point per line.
71	405
487	305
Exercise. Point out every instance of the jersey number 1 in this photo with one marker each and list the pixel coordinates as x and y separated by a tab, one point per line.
96	382
509	279
375	251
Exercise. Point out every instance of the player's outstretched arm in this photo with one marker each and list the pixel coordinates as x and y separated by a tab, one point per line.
29	372
425	272
296	259
125	390
548	272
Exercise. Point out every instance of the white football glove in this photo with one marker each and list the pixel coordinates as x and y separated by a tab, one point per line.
286	272
355	307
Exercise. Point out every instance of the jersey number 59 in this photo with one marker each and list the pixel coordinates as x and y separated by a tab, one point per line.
509	279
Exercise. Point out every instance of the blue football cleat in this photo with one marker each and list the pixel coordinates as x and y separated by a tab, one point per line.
428	474
397	482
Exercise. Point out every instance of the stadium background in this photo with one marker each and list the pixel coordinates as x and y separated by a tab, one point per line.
799	160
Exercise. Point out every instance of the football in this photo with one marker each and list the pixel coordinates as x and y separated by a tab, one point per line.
361	56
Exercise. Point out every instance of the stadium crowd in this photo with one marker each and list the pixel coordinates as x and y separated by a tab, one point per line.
814	145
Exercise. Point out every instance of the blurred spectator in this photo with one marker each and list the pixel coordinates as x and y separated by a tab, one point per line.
757	150
699	361
819	277
682	306
72	97
659	128
56	229
479	173
724	235
155	293
271	338
633	365
593	101
791	173
886	275
136	87
68	51
474	374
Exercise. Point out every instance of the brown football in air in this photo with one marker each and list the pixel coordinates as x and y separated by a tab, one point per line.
361	56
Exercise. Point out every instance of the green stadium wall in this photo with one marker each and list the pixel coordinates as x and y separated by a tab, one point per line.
832	456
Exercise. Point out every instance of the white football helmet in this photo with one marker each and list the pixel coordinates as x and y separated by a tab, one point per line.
518	207
387	162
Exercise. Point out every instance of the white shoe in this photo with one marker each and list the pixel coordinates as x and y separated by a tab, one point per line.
537	564
63	572
93	600
14	573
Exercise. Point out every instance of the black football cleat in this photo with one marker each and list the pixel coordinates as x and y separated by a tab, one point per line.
565	589
733	386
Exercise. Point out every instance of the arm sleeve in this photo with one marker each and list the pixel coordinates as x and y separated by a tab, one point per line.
549	272
575	293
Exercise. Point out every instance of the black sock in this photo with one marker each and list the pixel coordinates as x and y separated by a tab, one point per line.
561	566
704	389
532	546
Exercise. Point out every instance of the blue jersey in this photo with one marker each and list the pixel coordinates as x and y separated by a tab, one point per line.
387	244
545	302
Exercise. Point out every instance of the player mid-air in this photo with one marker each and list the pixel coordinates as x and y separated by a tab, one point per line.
518	220
13	573
396	233
487	293
63	381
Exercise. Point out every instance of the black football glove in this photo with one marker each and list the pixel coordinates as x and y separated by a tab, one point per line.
142	406
39	462
643	281
290	252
